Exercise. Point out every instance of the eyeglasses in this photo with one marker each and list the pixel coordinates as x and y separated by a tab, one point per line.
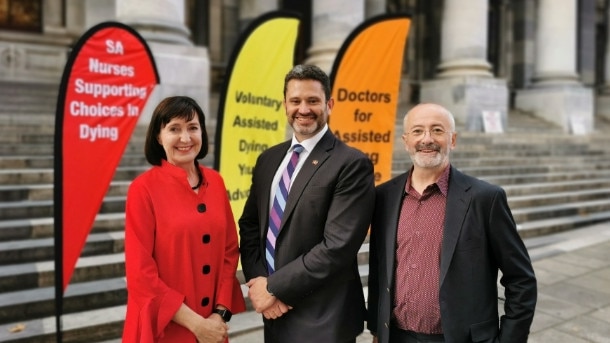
434	132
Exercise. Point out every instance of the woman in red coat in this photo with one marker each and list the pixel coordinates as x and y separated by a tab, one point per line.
181	247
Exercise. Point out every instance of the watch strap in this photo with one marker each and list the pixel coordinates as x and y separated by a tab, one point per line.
224	314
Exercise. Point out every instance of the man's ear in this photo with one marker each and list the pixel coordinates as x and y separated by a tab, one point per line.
330	104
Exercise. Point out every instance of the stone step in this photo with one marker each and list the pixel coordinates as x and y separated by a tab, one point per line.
22	103
551	187
44	208
45	175
26	162
26	149
540	228
518	166
520	169
25	138
31	275
35	192
506	180
37	161
26	119
23	229
40	302
597	161
104	325
43	249
40	107
47	149
548	199
507	149
567	209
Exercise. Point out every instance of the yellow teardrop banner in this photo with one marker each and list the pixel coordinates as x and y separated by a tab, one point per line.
251	116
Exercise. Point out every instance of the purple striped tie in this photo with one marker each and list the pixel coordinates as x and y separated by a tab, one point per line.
279	202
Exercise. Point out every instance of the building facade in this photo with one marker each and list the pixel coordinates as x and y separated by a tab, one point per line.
547	57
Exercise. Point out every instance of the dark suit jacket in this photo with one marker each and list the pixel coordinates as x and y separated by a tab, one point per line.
479	238
325	221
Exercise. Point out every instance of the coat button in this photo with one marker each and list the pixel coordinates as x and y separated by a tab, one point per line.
206	239
201	208
205	301
206	269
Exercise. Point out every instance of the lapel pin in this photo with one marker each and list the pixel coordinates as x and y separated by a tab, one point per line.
314	162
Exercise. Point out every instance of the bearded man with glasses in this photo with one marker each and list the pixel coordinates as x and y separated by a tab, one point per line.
438	239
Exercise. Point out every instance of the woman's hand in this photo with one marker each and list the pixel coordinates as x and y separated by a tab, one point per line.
211	330
206	330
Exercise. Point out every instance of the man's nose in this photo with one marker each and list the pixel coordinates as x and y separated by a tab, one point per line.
427	137
304	108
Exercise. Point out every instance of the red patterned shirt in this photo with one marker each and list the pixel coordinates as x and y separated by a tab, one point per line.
418	254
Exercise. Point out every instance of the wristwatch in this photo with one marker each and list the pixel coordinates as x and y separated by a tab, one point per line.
224	314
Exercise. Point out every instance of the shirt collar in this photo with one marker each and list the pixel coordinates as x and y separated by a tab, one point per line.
442	183
310	143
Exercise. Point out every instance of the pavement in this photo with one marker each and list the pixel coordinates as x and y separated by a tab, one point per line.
573	272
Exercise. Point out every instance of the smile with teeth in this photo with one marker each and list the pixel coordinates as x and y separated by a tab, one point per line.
304	117
186	148
428	148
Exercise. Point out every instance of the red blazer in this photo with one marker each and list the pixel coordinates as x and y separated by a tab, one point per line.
176	252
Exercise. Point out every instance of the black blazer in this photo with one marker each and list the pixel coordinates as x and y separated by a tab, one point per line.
479	237
325	221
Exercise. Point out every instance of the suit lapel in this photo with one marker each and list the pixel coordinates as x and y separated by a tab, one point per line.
458	201
394	204
315	160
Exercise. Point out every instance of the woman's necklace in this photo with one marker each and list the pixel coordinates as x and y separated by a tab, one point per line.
200	180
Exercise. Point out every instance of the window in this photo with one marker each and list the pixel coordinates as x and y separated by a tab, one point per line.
21	15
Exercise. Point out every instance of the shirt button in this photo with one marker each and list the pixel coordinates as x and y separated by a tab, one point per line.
201	208
205	301
206	238
414	266
206	269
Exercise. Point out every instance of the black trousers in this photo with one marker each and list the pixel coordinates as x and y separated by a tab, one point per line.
402	336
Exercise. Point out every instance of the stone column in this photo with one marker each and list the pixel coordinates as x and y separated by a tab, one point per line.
464	83
374	8
332	22
557	94
250	10
556	43
464	39
603	100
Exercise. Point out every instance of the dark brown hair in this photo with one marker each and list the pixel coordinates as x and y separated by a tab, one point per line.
308	72
169	108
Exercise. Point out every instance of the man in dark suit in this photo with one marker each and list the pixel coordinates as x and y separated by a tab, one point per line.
438	239
307	283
